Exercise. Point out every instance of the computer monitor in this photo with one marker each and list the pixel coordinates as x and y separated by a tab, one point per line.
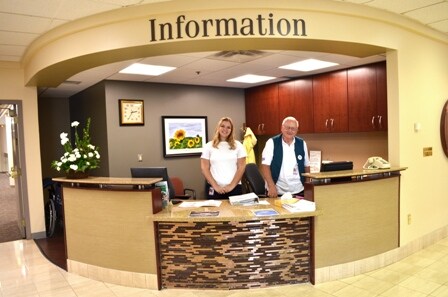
154	172
337	166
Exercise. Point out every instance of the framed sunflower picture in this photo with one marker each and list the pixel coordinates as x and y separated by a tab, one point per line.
183	136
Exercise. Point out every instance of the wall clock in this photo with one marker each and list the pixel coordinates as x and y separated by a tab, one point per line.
131	112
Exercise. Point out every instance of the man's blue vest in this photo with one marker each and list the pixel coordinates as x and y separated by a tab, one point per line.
277	159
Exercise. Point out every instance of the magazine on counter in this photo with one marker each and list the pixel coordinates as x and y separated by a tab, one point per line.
265	212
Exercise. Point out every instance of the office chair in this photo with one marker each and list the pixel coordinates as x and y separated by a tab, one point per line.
254	180
155	172
179	191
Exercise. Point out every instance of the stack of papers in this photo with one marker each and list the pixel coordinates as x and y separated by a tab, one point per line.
299	205
245	199
201	203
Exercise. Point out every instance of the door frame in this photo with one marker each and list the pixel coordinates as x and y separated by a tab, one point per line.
21	180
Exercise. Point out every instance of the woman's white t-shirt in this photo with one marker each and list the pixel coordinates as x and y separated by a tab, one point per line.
223	160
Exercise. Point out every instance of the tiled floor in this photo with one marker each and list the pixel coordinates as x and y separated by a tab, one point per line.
25	272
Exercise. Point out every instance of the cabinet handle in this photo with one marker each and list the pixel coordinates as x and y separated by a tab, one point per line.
262	127
373	122
326	123
380	118
332	121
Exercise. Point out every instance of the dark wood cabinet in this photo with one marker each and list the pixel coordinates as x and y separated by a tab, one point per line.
262	109
330	102
367	98
353	100
295	98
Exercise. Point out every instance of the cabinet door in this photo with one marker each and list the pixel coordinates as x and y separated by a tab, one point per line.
330	102
381	93
295	98
362	94
262	109
367	97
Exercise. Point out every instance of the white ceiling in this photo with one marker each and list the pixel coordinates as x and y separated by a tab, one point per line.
22	21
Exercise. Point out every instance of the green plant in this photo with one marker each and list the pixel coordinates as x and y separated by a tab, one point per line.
81	157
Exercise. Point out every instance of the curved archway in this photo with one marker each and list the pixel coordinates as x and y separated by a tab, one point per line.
57	73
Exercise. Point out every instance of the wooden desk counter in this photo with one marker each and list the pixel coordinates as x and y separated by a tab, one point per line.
236	249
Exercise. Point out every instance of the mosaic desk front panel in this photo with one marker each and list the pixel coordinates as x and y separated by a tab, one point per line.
234	255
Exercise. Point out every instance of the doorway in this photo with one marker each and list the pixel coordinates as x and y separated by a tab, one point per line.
12	206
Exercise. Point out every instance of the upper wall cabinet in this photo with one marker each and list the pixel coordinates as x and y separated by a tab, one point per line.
262	109
367	98
295	98
330	102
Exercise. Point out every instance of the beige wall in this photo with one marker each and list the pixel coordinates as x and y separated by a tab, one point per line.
417	75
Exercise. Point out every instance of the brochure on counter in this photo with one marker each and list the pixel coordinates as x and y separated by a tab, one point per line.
245	199
265	212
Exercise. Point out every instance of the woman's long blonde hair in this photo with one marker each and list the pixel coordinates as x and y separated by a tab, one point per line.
230	139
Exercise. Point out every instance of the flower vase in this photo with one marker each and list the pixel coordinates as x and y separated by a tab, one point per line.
71	174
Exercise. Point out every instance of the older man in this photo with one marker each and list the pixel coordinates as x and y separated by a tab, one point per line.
284	159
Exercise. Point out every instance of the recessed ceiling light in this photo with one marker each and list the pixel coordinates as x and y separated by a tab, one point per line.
146	69
308	65
250	78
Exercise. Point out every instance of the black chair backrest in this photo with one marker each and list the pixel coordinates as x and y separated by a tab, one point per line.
154	172
255	179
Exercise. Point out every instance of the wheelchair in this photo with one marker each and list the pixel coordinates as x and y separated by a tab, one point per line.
53	206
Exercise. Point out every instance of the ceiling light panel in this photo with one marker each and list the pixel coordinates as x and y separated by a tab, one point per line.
251	79
308	65
146	69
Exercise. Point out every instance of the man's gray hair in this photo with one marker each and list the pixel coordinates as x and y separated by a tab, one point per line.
290	119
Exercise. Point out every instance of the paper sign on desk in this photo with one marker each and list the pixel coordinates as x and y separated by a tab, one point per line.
315	160
202	203
194	214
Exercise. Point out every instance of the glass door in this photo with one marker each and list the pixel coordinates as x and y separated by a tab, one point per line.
11	170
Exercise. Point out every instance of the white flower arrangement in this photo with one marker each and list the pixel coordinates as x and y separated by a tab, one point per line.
83	157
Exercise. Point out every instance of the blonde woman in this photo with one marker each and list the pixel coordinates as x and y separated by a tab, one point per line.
223	161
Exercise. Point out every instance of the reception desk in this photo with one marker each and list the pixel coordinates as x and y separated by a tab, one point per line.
235	249
117	232
107	233
360	214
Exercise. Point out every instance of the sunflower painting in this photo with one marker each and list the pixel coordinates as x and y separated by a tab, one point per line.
184	135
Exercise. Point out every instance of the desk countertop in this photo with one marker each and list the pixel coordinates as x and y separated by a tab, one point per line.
352	173
228	212
109	180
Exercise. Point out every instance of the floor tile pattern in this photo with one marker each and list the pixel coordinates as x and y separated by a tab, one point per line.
25	272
